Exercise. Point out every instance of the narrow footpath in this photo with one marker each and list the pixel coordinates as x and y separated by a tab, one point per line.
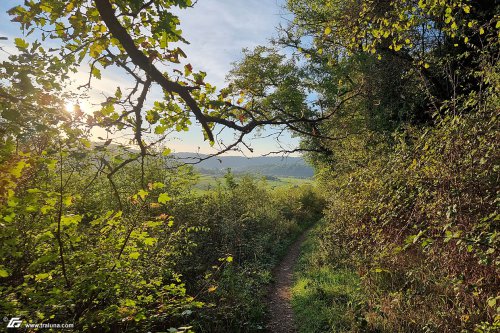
280	308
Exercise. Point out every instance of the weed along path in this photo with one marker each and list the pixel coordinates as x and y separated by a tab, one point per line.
280	307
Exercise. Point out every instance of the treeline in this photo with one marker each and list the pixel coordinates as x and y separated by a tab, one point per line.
267	170
283	166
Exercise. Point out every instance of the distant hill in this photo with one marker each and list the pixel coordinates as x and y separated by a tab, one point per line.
267	166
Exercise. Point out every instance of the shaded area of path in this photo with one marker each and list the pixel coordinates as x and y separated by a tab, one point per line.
280	307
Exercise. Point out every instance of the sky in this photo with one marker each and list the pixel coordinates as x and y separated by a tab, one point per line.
217	31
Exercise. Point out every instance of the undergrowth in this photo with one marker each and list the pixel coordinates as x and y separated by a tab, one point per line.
325	297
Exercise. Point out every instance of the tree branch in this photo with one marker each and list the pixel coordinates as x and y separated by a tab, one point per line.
140	59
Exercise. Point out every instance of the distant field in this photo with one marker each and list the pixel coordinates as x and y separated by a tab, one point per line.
207	182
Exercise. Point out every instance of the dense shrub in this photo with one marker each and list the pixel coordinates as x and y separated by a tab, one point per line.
140	253
251	227
409	163
420	226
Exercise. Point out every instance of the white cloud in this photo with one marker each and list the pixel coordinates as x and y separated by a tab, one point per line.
219	29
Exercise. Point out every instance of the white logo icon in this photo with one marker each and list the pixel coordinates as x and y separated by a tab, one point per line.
14	322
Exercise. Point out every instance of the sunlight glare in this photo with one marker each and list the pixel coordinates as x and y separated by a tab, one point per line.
69	106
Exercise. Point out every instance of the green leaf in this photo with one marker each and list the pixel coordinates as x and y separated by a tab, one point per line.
45	209
156	185
41	276
96	50
118	93
134	255
150	241
188	69
46	8
3	273
492	302
166	151
68	201
70	220
96	73
85	142
17	170
21	43
163	40
160	129
152	116
142	194
164	198
9	218
129	302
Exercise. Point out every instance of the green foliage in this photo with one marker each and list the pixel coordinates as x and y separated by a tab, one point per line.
110	236
419	226
325	298
67	255
397	103
69	258
411	172
252	226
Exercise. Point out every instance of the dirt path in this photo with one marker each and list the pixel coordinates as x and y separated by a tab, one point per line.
280	309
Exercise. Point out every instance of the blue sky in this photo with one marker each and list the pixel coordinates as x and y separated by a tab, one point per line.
217	31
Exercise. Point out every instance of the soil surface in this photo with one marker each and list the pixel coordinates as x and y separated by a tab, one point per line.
280	308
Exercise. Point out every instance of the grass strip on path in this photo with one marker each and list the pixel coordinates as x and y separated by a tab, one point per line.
325	298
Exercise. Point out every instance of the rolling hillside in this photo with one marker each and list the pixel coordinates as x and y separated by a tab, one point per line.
266	166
